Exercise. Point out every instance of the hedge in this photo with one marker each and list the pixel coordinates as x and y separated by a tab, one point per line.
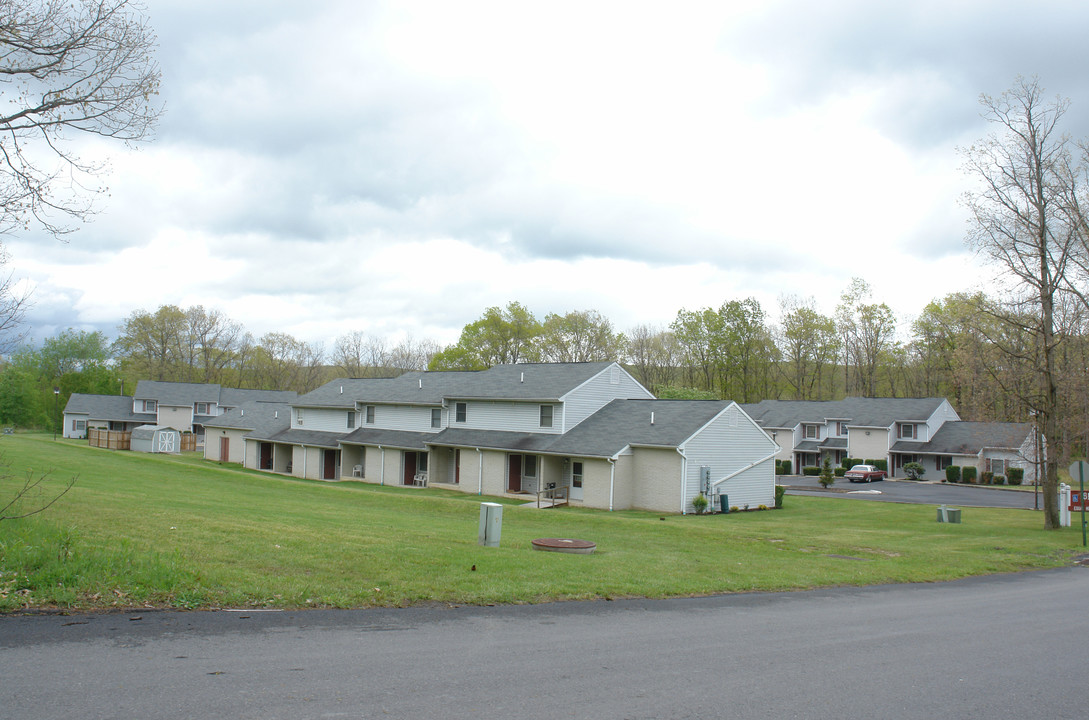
968	474
952	473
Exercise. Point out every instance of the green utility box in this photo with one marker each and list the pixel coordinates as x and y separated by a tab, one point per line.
724	503
949	515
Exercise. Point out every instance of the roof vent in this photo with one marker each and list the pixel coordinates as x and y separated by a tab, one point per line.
651	417
275	414
523	378
421	382
341	389
242	413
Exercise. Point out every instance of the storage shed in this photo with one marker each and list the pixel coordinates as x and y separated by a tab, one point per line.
156	439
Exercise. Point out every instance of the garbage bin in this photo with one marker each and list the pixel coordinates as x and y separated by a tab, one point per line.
724	503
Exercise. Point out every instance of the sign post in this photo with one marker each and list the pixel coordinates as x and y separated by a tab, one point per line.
1078	470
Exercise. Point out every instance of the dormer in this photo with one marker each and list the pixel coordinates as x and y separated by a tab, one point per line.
907	431
811	431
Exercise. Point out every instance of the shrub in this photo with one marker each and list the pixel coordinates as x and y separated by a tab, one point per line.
762	507
846	463
999	480
952	473
968	474
780	491
986	478
734	508
1015	475
786	467
811	470
827	477
840	472
881	465
699	504
914	470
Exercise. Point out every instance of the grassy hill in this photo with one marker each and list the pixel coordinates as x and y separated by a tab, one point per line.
142	530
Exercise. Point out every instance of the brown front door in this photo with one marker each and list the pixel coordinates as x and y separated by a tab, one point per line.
266	456
330	465
224	449
410	468
514	477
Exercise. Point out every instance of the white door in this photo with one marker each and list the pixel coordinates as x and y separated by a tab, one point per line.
166	442
576	481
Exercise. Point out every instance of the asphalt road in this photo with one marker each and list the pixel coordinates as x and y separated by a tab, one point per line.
1000	647
908	491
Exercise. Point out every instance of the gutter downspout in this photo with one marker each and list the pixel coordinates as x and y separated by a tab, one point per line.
612	477
479	471
382	467
684	476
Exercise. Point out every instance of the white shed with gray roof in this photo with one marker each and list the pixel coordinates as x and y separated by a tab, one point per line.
155	439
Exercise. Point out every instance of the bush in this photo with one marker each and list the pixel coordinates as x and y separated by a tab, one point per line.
952	473
1015	475
780	491
968	474
827	477
786	467
986	478
847	463
840	472
811	470
762	507
999	480
881	465
734	508
914	470
699	504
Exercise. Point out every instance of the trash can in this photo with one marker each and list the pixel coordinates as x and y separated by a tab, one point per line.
724	503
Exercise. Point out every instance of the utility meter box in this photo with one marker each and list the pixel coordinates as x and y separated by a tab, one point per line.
705	480
491	524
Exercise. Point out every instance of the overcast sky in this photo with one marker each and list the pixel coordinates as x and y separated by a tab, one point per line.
398	167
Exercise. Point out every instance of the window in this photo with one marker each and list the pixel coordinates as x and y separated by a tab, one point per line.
149	405
460	411
201	409
943	461
576	474
436	417
421	462
906	431
810	431
370	414
79	425
529	466
351	418
546	416
299	416
996	466
841	428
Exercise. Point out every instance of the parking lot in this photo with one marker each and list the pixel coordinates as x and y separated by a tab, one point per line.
913	491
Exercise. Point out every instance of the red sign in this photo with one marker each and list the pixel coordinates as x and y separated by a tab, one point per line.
1077	501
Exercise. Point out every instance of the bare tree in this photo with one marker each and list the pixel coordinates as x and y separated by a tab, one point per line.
68	65
13	305
1025	223
33	496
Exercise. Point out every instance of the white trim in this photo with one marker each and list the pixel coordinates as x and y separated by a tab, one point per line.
751	465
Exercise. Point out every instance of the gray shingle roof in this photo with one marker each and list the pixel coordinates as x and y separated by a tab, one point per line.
969	438
522	381
603	434
858	412
263	418
106	407
180	394
403	439
302	437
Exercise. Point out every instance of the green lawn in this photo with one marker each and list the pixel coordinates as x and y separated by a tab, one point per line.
143	530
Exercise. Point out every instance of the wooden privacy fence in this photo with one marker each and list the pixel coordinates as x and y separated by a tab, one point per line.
111	439
188	441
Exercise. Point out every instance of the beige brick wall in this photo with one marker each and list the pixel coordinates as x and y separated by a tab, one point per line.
656	483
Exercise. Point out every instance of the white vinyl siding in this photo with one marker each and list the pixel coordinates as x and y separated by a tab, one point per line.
508	416
728	443
404	417
323	419
596	393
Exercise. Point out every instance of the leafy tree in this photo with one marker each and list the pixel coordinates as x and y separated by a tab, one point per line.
579	336
502	336
698	334
809	346
747	355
